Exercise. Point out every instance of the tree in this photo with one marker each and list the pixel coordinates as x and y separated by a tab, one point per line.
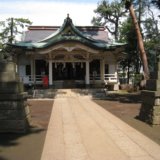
132	60
109	15
152	36
148	23
9	29
157	3
129	6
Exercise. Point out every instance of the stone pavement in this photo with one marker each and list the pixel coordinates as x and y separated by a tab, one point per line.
79	129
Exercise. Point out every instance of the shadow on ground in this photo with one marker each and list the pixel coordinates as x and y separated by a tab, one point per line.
125	98
127	107
11	144
1	158
28	146
10	139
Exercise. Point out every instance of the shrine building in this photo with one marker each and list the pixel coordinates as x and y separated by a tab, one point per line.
68	55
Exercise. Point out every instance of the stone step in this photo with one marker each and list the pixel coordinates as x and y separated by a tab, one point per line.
48	93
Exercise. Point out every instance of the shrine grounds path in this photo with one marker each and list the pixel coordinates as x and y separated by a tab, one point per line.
79	129
82	129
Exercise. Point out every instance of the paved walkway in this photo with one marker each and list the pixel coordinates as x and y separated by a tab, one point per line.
79	129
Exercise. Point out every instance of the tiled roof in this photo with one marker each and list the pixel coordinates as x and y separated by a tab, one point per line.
37	33
40	37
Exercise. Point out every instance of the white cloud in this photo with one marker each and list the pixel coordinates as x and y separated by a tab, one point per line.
49	13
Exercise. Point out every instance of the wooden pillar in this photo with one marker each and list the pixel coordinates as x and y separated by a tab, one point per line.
102	70
87	73
50	73
33	76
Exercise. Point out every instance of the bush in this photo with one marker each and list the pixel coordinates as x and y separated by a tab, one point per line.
137	79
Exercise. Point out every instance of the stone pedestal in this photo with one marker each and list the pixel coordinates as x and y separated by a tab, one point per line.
14	112
150	108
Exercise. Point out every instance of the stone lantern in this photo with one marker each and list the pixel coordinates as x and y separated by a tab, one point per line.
14	112
150	108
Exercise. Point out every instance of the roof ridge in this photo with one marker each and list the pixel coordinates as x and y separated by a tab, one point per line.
57	27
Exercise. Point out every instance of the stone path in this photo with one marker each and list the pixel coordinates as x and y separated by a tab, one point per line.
79	129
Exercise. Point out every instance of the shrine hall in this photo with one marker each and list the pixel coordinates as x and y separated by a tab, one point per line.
68	55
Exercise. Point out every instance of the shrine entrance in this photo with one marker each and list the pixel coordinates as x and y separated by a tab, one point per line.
68	71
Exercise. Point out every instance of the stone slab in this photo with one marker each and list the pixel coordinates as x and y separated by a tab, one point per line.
17	126
7	66
157	68
11	87
12	97
151	100
155	75
150	114
12	105
149	93
14	114
8	77
153	84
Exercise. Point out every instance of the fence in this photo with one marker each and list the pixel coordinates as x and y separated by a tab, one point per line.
37	79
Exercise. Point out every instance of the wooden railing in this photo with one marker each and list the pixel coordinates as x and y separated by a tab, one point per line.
30	79
108	78
37	79
95	77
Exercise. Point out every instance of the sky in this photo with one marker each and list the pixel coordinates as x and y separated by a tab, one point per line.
49	12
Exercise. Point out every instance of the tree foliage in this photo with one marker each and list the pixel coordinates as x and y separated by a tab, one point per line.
9	29
144	19
129	6
109	15
12	27
127	34
157	3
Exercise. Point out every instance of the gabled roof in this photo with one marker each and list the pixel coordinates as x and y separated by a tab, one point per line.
68	32
37	33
